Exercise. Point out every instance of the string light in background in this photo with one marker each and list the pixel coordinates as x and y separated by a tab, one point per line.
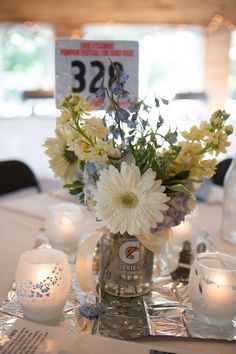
77	33
216	22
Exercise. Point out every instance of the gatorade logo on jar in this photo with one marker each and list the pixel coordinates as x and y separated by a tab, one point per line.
129	252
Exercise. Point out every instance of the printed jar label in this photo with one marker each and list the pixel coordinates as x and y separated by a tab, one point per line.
130	264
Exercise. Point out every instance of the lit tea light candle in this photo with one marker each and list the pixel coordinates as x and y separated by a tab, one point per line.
42	283
63	226
181	233
212	288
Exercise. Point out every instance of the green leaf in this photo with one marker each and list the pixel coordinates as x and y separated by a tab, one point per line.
132	131
81	198
180	175
76	191
146	108
179	188
165	101
144	123
143	167
191	203
157	103
171	137
74	185
159	122
143	155
132	149
159	171
82	164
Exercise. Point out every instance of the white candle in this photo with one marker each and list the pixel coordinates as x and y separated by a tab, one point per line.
212	288
217	291
181	233
42	283
64	226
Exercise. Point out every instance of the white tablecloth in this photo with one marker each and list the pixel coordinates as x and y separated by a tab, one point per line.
21	219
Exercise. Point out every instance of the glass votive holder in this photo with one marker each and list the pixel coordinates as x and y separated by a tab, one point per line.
42	283
64	226
212	288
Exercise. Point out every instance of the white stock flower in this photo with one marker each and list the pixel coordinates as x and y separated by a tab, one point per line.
98	153
64	119
127	201
63	162
101	151
95	128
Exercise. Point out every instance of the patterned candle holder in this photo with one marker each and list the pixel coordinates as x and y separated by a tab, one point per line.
64	226
212	288
42	283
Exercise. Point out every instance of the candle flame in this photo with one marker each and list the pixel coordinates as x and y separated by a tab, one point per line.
66	221
43	273
219	280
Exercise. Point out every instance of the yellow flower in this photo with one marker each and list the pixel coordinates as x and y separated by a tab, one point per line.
197	133
229	129
205	127
196	171
216	121
188	152
203	168
219	141
188	159
194	134
208	167
95	128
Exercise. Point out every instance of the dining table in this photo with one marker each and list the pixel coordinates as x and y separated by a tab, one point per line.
23	218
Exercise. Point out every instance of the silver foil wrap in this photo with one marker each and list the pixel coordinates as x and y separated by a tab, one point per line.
165	311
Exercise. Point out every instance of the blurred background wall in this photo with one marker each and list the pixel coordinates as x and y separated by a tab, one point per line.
187	54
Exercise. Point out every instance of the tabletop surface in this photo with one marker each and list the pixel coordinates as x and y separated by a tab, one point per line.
21	220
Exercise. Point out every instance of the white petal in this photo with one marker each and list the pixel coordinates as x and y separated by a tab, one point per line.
118	217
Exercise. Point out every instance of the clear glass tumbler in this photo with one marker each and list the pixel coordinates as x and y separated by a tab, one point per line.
212	288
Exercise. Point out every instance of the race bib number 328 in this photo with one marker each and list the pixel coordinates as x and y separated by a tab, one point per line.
81	66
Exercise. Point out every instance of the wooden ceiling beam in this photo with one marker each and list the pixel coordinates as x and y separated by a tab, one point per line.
74	12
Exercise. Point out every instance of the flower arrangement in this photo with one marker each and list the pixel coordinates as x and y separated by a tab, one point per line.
136	177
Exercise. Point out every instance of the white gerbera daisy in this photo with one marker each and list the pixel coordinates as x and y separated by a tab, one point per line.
129	202
63	162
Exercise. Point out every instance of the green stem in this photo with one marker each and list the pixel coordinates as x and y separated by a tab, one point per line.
207	148
116	108
133	151
79	130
